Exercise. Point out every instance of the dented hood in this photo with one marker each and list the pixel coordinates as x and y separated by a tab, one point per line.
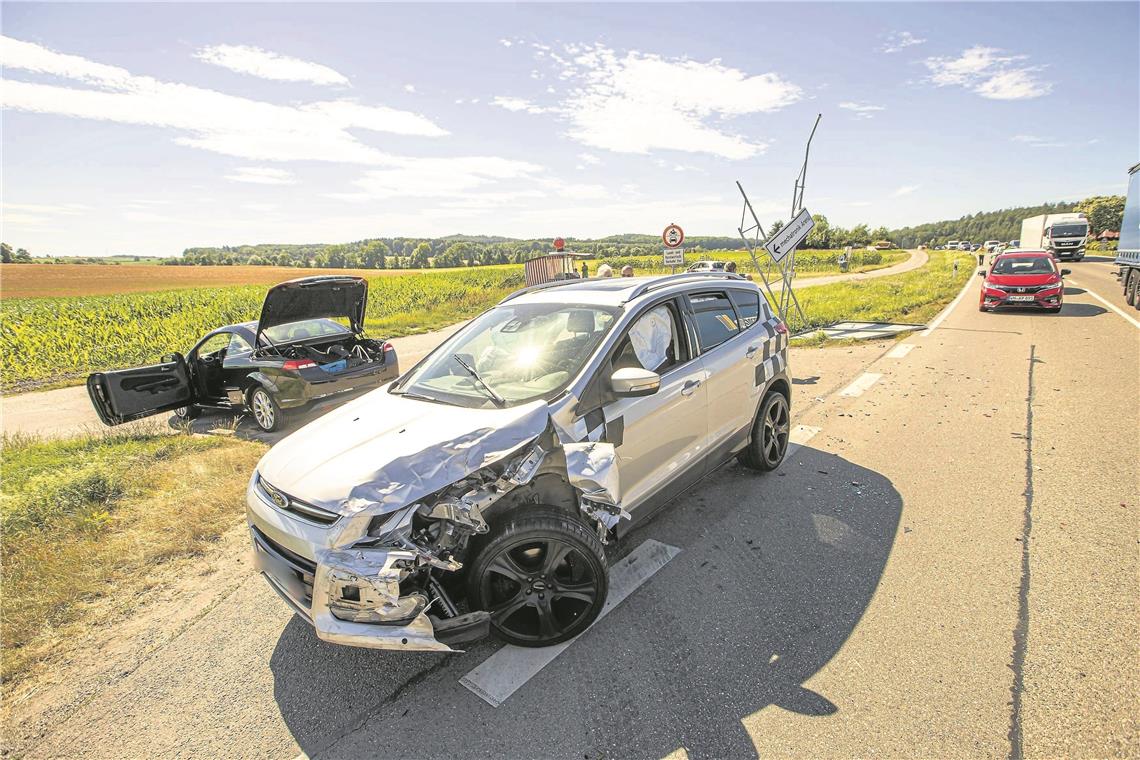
315	298
389	450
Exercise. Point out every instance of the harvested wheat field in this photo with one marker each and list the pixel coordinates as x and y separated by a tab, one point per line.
47	280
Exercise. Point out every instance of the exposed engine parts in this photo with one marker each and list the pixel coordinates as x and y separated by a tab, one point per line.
353	352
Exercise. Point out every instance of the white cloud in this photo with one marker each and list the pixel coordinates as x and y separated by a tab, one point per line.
516	104
409	88
897	41
862	110
589	159
147	217
65	209
441	177
638	102
905	190
262	175
989	73
505	43
1039	142
268	65
203	118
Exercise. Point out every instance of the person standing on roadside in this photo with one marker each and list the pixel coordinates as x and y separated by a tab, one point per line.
585	270
730	267
627	271
605	270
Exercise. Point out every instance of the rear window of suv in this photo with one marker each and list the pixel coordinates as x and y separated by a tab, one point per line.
747	306
715	319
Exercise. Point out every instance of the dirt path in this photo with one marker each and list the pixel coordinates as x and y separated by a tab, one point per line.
67	411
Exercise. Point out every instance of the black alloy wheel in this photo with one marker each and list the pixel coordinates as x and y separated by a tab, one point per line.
770	433
541	575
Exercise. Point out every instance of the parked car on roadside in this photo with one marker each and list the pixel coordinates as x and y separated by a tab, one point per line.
708	266
1023	279
309	344
477	491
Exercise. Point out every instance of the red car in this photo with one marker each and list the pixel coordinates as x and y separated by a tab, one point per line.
1023	279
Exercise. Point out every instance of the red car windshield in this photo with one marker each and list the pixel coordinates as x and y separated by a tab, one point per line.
1023	265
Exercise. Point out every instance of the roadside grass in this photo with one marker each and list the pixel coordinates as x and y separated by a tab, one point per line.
809	263
916	296
84	519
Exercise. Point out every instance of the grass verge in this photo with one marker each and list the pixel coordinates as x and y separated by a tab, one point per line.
89	518
916	296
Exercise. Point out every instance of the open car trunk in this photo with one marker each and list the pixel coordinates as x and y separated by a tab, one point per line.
335	297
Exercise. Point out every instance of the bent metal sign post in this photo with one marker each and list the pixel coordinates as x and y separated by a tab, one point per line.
789	236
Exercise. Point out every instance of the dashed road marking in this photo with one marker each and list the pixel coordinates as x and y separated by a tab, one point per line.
800	435
1110	305
861	384
900	351
504	672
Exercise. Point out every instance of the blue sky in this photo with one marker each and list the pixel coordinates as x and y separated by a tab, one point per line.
150	128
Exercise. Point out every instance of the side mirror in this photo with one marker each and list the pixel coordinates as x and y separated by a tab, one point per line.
981	273
630	382
1066	271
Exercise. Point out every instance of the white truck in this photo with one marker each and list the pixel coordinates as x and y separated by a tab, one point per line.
1062	235
1128	252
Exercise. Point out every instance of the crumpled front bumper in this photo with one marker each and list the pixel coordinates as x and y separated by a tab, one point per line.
308	584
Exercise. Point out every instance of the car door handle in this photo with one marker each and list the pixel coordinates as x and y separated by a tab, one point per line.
751	350
690	386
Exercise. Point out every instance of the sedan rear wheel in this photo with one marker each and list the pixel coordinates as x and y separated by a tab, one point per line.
541	575
266	413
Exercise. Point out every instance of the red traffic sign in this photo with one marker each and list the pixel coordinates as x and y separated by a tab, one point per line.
673	236
559	244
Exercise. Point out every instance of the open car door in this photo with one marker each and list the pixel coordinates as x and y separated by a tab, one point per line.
131	394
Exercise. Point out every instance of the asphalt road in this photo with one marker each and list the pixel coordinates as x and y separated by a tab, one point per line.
67	411
947	568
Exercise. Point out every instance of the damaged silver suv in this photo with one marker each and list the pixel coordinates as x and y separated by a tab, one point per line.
475	492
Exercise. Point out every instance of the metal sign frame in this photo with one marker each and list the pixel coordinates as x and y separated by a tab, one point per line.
754	238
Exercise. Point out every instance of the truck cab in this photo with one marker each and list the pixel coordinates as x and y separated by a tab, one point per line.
1065	235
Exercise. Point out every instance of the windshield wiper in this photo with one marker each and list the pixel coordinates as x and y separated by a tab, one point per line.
499	400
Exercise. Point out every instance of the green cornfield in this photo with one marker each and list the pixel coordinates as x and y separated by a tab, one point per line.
46	340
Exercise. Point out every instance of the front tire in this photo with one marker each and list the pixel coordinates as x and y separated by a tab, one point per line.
770	431
1132	289
266	413
542	576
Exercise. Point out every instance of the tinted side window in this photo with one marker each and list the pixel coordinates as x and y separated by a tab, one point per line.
715	319
748	306
238	345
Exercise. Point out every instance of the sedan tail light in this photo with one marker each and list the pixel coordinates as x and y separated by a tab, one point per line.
298	364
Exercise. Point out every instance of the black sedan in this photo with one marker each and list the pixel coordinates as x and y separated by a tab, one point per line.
309	344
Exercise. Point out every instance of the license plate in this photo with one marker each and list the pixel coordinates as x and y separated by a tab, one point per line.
1021	298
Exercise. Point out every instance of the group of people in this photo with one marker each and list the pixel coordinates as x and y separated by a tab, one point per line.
605	270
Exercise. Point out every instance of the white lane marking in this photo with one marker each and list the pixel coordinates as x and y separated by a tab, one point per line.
946	312
861	384
800	435
900	351
1109	305
501	674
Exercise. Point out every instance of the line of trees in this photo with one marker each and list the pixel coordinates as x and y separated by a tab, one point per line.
18	256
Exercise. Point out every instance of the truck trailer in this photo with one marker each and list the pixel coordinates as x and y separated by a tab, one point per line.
1062	235
1128	251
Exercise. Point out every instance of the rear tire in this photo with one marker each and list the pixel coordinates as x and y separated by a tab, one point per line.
1132	289
768	443
266	413
541	574
187	413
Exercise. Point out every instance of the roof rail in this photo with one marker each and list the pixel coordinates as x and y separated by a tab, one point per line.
543	286
673	279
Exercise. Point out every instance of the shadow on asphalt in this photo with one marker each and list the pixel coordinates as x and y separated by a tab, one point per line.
212	420
1067	310
1072	291
774	575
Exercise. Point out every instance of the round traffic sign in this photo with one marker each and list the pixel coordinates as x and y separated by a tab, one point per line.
559	244
673	236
